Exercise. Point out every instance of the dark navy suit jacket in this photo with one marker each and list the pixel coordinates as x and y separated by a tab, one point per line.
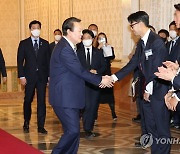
27	62
67	78
52	45
158	54
176	86
175	52
173	56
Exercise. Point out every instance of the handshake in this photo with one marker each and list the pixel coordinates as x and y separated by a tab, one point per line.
107	81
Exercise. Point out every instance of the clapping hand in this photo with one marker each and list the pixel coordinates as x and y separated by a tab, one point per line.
171	65
107	81
166	73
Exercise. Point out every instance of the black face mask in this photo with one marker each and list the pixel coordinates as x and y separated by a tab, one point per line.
164	39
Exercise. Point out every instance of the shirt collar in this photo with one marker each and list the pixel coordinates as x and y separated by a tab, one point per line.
90	48
71	44
32	38
145	37
176	39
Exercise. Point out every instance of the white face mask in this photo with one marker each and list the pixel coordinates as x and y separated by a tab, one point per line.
172	34
87	43
35	32
57	37
94	32
102	40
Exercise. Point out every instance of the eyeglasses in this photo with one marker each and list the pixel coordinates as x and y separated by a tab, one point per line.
132	25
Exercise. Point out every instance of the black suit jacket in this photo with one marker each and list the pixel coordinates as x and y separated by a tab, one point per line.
28	63
175	52
52	45
149	66
97	61
2	65
173	56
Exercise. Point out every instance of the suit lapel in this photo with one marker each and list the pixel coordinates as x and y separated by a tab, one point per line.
83	56
30	44
40	46
176	44
93	59
147	47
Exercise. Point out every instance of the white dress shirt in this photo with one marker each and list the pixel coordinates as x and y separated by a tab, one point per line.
90	52
33	40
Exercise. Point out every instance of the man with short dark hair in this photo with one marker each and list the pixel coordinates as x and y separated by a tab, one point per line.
94	29
67	86
149	55
33	70
57	37
92	59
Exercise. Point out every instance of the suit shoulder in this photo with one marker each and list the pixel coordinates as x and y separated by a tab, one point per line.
25	41
97	50
156	40
43	40
52	43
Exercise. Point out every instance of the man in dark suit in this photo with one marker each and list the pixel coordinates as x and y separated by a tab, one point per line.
33	70
67	86
92	59
149	55
174	45
57	37
3	67
174	54
171	73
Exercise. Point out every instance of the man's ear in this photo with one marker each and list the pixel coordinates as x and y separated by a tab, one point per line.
68	31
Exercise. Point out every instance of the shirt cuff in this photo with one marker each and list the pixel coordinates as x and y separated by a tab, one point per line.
22	77
149	88
178	71
172	80
114	77
174	95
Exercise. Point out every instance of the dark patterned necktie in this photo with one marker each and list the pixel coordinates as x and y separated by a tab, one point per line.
36	47
142	45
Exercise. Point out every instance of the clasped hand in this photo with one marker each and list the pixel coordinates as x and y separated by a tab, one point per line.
171	102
